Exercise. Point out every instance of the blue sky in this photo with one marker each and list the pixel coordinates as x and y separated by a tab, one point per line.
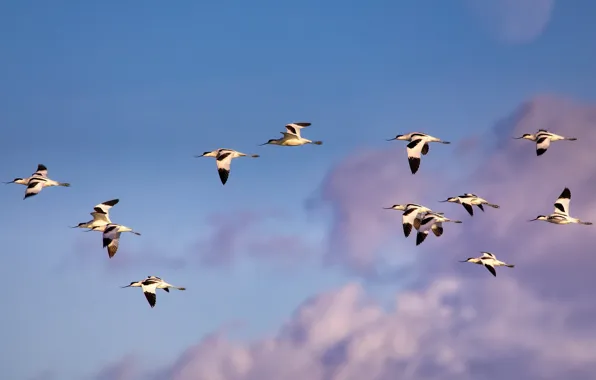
116	97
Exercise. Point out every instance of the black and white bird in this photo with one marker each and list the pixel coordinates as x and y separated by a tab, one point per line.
468	200
543	139
561	212
223	159
412	216
101	216
292	136
149	286
432	221
111	236
418	144
489	261
37	182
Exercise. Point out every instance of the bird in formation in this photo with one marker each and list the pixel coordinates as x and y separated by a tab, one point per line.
489	261
543	139
37	182
149	286
223	160
418	144
468	200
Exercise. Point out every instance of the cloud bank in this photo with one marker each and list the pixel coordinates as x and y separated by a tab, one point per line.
536	321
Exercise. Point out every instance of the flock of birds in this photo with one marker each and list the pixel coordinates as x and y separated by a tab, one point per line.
416	216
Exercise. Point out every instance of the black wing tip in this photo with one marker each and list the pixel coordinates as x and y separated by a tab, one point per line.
106	242
41	167
151	298
540	152
566	194
414	164
468	208
420	238
223	175
407	229
111	202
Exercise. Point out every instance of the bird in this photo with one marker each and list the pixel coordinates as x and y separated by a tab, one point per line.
489	261
412	215
543	139
292	136
418	144
149	285
101	216
561	212
223	159
37	182
468	200
111	236
432	221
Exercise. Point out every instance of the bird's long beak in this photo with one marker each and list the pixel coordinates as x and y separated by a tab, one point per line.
73	226
127	286
395	138
446	200
6	183
531	220
463	261
199	156
387	208
264	143
517	138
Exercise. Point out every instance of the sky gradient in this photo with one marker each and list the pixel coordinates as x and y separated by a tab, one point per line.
292	269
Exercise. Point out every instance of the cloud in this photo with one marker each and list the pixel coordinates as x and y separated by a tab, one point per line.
535	321
513	21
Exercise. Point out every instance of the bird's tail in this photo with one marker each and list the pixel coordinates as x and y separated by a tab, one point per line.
317	142
510	265
65	184
492	205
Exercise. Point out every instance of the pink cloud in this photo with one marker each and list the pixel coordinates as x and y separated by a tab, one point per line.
535	321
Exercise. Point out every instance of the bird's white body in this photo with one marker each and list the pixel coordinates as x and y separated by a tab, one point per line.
418	146
490	261
432	221
468	200
292	136
561	213
543	139
223	159
37	182
412	216
149	285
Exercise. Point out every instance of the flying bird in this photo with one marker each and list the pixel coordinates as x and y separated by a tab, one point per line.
432	221
111	236
223	159
561	212
37	182
543	139
101	216
412	215
418	144
149	285
489	261
468	200
292	136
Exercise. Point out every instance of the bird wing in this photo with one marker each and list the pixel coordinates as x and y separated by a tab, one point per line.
104	207
562	203
101	217
408	218
491	269
111	239
427	222
289	135
487	255
223	161
42	171
294	128
467	206
414	148
437	229
34	186
149	292
542	144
